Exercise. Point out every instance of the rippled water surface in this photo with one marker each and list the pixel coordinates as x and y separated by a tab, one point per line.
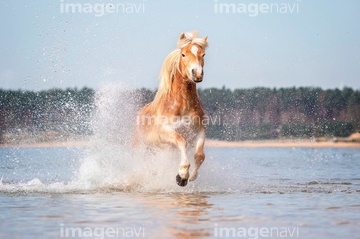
240	193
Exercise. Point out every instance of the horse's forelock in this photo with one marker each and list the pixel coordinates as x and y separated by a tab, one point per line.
191	38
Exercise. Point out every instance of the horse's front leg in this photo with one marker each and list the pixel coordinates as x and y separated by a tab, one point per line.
169	135
199	156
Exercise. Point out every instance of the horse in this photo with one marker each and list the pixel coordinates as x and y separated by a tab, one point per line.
176	116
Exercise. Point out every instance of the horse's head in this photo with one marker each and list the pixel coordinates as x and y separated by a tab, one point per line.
192	58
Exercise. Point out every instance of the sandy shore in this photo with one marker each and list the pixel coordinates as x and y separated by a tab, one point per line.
216	143
48	144
282	144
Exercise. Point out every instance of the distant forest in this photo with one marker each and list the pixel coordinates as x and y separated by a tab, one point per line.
241	114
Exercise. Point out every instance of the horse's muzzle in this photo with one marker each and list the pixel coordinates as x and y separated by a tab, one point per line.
197	76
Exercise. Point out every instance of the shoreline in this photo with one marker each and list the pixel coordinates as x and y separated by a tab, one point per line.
300	143
280	144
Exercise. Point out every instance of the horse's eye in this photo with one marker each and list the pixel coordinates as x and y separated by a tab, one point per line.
183	55
203	55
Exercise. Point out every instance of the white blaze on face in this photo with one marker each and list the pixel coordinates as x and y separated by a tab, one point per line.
196	66
194	50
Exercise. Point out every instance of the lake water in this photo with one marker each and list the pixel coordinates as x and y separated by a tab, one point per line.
100	192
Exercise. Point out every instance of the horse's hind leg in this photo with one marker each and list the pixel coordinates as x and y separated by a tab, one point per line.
171	136
199	156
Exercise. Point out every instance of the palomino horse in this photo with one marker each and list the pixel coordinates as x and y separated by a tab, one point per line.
176	116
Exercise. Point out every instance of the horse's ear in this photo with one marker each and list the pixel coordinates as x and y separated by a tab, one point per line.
205	38
182	36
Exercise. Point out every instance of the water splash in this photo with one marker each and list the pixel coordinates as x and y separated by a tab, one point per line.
111	164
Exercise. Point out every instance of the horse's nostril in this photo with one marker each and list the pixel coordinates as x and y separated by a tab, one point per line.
202	72
193	72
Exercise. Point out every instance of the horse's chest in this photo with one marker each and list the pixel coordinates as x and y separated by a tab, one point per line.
186	125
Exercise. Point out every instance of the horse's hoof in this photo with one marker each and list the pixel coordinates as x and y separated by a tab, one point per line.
181	182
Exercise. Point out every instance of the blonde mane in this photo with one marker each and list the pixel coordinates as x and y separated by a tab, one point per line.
171	63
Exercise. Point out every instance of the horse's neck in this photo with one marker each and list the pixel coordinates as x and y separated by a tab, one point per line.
184	92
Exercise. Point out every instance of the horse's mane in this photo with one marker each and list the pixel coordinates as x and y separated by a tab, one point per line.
171	63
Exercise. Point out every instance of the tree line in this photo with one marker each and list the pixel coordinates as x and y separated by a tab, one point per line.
257	113
58	111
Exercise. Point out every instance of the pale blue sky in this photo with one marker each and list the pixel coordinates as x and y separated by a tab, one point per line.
42	48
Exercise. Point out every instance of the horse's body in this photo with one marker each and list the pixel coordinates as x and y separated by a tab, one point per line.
176	115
